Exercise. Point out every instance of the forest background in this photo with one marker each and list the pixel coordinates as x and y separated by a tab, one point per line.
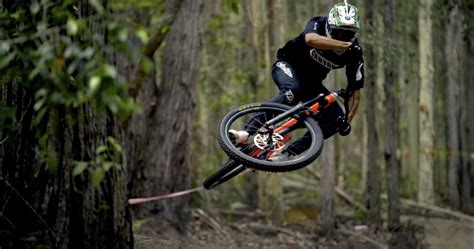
103	101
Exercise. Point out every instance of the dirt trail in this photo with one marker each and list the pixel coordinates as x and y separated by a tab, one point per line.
444	233
438	234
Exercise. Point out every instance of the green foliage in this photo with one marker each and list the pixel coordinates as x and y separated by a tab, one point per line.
137	4
107	157
138	223
232	5
360	215
65	62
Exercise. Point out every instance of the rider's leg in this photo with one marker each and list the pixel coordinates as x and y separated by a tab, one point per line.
290	93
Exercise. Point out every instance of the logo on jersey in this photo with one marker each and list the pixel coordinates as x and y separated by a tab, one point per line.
321	60
285	69
289	96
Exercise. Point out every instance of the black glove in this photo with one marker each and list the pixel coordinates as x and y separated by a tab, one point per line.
354	53
344	127
355	48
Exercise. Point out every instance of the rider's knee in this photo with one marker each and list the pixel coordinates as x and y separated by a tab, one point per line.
291	96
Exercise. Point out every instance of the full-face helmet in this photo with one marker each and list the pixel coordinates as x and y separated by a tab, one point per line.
343	22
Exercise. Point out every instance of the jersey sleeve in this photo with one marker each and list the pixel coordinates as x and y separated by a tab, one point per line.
355	68
315	25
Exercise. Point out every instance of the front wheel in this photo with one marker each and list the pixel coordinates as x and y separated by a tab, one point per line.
259	150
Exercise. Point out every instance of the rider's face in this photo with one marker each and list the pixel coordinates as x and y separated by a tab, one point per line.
343	34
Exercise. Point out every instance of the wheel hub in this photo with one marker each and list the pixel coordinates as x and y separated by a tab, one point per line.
263	141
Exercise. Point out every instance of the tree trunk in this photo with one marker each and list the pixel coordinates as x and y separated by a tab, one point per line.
373	182
467	123
328	182
425	180
391	123
453	50
51	207
250	62
164	158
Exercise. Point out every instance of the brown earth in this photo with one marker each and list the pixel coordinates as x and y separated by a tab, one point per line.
208	232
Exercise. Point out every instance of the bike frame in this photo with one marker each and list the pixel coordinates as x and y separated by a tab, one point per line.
311	108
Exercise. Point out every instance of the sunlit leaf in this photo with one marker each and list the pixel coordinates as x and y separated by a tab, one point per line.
97	176
39	104
109	71
72	27
35	8
71	50
97	6
42	26
147	65
4	47
39	116
142	35
123	35
107	165
40	97
88	52
115	145
79	167
100	149
94	84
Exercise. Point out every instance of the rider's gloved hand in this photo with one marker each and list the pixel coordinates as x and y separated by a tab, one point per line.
344	127
354	52
355	48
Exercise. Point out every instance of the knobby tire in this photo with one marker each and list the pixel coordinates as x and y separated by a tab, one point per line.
225	173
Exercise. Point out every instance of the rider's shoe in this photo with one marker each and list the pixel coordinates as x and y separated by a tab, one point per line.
238	137
278	156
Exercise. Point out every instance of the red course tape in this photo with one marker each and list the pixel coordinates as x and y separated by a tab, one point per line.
136	201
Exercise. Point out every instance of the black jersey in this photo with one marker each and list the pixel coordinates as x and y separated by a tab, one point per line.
311	64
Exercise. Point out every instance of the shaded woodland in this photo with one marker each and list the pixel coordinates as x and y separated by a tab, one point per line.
104	101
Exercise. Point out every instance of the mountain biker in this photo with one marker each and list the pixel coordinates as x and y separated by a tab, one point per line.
326	43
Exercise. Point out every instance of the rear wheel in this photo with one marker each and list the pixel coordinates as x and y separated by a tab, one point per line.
228	171
259	148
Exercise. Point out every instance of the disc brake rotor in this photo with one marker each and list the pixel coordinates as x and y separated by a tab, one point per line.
263	142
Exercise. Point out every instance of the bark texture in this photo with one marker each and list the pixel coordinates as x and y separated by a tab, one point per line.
426	105
373	181
453	53
163	163
391	124
328	182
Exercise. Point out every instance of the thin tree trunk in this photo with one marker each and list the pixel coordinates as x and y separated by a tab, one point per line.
391	124
328	182
250	54
425	179
373	180
467	125
453	52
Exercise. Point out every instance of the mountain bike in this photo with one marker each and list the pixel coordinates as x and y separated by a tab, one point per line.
273	128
